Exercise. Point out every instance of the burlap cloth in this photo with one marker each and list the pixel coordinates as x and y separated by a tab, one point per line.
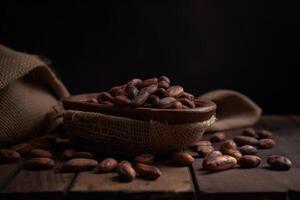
30	92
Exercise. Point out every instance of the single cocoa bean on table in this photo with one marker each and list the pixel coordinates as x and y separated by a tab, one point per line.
182	159
174	91
79	164
249	132
228	144
210	156
39	164
23	148
125	171
221	163
262	134
266	144
35	153
68	154
147	171
204	150
278	162
9	156
248	150
243	140
106	165
249	161
144	159
232	152
218	137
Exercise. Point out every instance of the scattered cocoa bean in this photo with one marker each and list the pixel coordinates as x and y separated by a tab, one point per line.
35	153
278	162
39	164
144	159
153	100
221	163
249	161
243	140
106	165
228	144
266	144
262	134
249	132
174	91
204	150
126	171
147	171
232	152
182	158
79	164
9	156
248	150
68	154
218	137
22	148
209	156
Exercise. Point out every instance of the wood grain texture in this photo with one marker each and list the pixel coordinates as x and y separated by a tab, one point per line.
7	172
261	182
175	183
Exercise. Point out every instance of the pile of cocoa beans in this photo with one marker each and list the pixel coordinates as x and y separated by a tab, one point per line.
240	151
153	92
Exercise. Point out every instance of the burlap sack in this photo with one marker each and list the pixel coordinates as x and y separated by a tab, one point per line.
29	96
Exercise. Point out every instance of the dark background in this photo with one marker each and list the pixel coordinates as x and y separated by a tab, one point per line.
249	46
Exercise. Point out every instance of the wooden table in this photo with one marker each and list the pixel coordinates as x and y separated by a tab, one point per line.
176	182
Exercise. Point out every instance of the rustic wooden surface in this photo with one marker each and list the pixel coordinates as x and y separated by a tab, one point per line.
176	182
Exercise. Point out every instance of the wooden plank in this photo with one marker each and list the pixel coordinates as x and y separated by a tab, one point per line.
295	119
261	182
8	171
175	183
37	185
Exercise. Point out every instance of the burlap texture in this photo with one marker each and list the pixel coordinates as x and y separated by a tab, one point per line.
129	136
29	97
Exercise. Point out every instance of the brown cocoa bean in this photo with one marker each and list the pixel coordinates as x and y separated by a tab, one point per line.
248	150
122	101
182	158
201	143
278	162
232	152
184	107
221	163
204	150
187	102
166	102
176	105
266	144
118	90
35	153
147	171
144	159
153	100
68	154
39	164
108	103
135	82
150	89
140	99
210	156
228	144
187	95
132	91
79	164
249	161
9	156
218	137
160	92
83	154
164	78
104	96
92	100
163	84
22	148
243	140
174	91
125	171
106	165
249	132
262	134
149	81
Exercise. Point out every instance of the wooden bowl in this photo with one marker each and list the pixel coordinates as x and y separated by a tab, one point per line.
204	110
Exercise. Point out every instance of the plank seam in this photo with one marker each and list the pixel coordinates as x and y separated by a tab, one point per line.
69	186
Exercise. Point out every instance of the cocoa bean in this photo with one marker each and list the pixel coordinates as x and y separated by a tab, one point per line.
204	150
166	102
150	89
221	163
104	96
83	154
92	100
122	101
106	165
132	91
210	156
68	154
182	158
249	161
22	148
9	156
262	134
174	91
160	92
149	81
278	162
118	90
126	172
266	144
248	150
218	137
187	95
144	159
164	78
243	140
140	99
108	103
232	152
147	171
201	143
39	164
35	153
136	82
79	164
187	102
163	84
228	144
176	105
153	100
249	132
